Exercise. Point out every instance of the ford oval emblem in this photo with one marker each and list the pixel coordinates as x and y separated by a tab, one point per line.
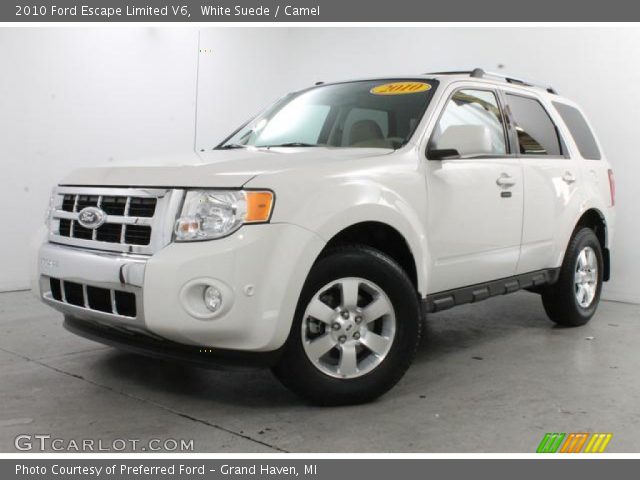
91	217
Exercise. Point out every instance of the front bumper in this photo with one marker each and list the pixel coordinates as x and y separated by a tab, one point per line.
260	269
89	269
164	349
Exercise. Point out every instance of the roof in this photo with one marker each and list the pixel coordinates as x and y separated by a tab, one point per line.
480	73
475	74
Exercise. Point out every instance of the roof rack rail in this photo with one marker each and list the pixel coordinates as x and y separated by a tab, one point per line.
480	73
451	72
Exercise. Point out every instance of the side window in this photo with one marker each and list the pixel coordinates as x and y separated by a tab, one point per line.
471	124
580	131
537	135
365	125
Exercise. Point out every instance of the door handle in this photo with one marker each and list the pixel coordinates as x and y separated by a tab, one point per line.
505	180
568	177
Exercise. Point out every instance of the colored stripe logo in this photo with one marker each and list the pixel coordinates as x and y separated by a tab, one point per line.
550	442
598	443
574	442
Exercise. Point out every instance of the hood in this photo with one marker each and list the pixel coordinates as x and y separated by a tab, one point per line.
215	168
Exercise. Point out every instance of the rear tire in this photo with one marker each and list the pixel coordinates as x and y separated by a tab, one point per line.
340	351
573	300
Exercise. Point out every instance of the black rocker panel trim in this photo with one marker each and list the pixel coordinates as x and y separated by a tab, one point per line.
481	291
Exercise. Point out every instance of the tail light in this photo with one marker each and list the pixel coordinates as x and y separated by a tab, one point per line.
612	187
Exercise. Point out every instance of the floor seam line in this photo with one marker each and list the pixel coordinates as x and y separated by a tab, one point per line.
139	399
69	354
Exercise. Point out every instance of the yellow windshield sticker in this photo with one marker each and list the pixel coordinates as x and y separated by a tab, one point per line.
400	88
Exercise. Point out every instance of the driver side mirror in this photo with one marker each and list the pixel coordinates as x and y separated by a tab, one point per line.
459	141
442	153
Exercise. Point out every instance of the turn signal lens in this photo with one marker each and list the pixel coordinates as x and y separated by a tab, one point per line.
258	206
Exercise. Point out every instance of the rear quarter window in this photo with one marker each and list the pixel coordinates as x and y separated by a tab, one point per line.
537	134
579	130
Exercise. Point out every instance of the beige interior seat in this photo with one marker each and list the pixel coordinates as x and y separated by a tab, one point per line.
364	131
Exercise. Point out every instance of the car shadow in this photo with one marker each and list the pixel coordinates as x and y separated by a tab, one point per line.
471	325
446	333
251	387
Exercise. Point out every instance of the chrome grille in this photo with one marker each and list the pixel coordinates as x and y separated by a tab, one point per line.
136	220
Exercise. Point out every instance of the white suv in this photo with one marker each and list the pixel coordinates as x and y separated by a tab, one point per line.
315	238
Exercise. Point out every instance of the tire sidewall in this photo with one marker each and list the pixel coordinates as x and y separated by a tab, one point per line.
375	267
585	238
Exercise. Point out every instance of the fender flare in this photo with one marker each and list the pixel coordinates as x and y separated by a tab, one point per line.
405	222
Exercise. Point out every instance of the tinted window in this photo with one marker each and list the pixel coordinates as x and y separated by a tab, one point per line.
470	108
580	131
537	134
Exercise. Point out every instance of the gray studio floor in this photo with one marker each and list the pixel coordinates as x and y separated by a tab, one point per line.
493	377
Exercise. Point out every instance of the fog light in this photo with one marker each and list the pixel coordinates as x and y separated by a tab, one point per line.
212	298
206	298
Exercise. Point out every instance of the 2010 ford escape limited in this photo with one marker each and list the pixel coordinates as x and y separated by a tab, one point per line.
316	237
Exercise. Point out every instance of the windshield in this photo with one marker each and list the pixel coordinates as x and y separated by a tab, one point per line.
366	114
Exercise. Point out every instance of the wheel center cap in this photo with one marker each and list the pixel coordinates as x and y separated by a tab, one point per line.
345	326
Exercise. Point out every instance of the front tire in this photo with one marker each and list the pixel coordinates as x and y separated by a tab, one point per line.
573	300
356	329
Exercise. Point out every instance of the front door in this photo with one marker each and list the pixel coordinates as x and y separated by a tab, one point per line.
475	194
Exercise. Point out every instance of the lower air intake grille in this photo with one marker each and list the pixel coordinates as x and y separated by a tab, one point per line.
116	302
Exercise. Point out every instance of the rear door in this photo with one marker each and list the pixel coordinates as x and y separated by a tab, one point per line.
475	199
551	180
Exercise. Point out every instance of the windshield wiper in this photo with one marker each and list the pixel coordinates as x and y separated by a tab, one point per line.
292	144
229	146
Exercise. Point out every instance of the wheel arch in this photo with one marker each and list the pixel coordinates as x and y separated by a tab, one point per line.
380	236
396	234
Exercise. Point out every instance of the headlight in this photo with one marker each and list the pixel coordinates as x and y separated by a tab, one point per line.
209	214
